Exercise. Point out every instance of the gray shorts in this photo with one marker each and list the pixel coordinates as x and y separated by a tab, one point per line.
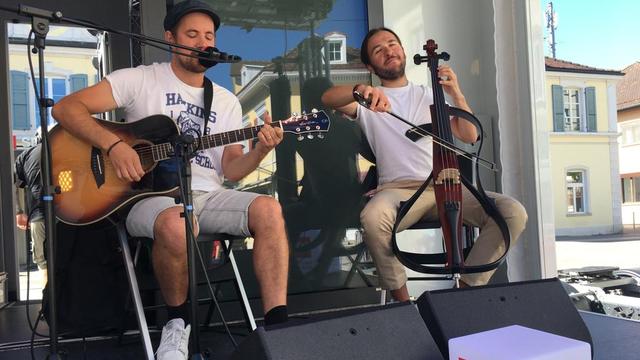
221	211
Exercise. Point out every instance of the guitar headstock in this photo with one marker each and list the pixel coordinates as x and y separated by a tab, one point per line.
312	124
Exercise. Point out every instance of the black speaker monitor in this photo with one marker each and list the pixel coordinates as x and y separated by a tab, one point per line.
541	304
392	332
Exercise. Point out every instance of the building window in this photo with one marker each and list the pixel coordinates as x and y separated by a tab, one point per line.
571	101
576	198
574	109
631	189
335	51
630	135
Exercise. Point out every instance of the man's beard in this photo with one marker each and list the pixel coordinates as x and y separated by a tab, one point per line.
191	64
390	73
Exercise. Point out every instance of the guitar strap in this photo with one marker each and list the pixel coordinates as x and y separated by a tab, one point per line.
208	100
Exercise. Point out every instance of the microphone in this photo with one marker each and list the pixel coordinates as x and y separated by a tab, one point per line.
211	56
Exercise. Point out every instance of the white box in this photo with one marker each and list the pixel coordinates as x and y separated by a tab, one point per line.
517	342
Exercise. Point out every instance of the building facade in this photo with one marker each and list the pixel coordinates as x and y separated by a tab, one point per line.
69	67
628	99
583	148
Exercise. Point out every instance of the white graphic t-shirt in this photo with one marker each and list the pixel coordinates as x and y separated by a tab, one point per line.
154	89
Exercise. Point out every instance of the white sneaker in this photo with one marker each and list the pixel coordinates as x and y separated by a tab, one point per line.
174	344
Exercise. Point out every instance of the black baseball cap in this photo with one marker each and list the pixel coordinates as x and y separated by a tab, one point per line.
183	8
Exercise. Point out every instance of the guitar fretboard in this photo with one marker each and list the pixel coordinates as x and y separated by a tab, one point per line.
165	151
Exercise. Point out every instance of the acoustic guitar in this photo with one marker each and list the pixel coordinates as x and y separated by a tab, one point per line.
87	188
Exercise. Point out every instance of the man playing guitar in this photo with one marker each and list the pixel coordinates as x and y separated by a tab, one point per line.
176	89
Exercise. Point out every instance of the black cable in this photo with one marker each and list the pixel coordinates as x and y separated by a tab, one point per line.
31	71
28	240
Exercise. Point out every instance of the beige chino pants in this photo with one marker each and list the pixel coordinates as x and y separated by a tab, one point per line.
379	215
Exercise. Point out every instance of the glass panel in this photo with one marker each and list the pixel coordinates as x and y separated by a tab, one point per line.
315	177
575	188
66	53
635	189
572	109
627	190
579	199
334	51
574	177
636	134
570	200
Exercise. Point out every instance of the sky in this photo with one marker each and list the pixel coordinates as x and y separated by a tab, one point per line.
602	34
347	16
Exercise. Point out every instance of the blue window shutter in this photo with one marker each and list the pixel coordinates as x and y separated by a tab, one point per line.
78	81
590	106
20	100
558	108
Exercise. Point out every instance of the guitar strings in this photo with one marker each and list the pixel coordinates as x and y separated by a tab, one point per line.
164	149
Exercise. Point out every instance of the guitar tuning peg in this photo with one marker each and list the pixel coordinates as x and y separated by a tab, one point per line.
304	112
314	110
294	114
300	137
321	136
309	136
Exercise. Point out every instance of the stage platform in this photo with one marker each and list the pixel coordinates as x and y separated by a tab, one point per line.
614	338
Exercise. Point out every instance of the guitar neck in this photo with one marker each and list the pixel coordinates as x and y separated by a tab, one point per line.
165	151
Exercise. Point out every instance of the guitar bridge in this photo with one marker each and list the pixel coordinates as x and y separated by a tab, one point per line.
97	166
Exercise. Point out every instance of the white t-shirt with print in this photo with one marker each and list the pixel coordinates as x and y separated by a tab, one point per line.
397	157
154	89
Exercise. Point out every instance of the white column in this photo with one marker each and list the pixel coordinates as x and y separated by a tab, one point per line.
524	150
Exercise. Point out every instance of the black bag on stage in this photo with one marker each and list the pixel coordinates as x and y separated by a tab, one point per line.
91	282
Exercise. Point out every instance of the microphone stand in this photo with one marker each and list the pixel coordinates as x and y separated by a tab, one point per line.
40	20
182	147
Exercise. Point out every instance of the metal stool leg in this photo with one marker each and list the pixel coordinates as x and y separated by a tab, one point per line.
135	292
246	307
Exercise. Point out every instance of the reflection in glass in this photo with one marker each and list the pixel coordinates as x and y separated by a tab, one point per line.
71	53
292	52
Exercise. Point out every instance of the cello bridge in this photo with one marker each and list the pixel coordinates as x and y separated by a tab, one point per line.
449	175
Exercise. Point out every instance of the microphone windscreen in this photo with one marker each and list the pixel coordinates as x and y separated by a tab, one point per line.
207	60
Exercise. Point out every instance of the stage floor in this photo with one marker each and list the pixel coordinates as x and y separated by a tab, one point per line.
614	338
15	338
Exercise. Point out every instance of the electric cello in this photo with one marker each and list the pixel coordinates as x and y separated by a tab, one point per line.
447	183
